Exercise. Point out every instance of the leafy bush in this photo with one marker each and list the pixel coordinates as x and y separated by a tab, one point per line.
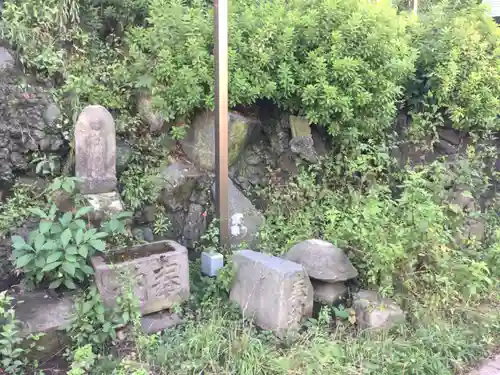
95	324
340	63
402	235
458	72
58	251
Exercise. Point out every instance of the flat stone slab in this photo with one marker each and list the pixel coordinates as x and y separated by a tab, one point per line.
109	203
490	367
159	321
158	272
276	293
40	313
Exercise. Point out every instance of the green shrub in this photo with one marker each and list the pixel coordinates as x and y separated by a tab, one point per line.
458	71
39	30
402	235
340	63
58	252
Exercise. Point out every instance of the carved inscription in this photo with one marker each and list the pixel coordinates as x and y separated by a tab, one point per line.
297	300
160	276
166	280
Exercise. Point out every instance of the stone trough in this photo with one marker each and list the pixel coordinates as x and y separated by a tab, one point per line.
159	272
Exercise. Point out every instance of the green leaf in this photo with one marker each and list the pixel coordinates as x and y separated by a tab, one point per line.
79	236
83	251
69	268
66	237
114	225
24	260
99	235
50	245
69	284
341	313
124	214
56	184
55	284
51	266
32	236
39	242
53	210
87	269
40	262
98	245
87	306
70	258
72	250
18	243
455	208
54	256
80	223
65	220
83	211
17	240
68	185
38	212
80	275
39	276
45	226
89	234
56	228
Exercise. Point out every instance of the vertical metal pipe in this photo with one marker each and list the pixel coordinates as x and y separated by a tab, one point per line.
221	119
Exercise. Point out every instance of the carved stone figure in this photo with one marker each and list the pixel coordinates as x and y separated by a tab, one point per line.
95	150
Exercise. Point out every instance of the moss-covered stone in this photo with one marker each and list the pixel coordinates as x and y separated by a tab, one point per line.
199	143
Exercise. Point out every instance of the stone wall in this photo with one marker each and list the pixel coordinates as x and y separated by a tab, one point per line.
28	119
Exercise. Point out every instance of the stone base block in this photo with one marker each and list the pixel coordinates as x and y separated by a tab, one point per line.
275	292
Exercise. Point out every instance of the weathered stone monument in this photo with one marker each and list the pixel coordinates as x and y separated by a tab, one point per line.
159	273
95	150
276	293
95	154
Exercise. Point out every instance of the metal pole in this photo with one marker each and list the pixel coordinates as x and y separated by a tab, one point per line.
221	119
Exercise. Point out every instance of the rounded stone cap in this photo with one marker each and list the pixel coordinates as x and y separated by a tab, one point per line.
322	261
